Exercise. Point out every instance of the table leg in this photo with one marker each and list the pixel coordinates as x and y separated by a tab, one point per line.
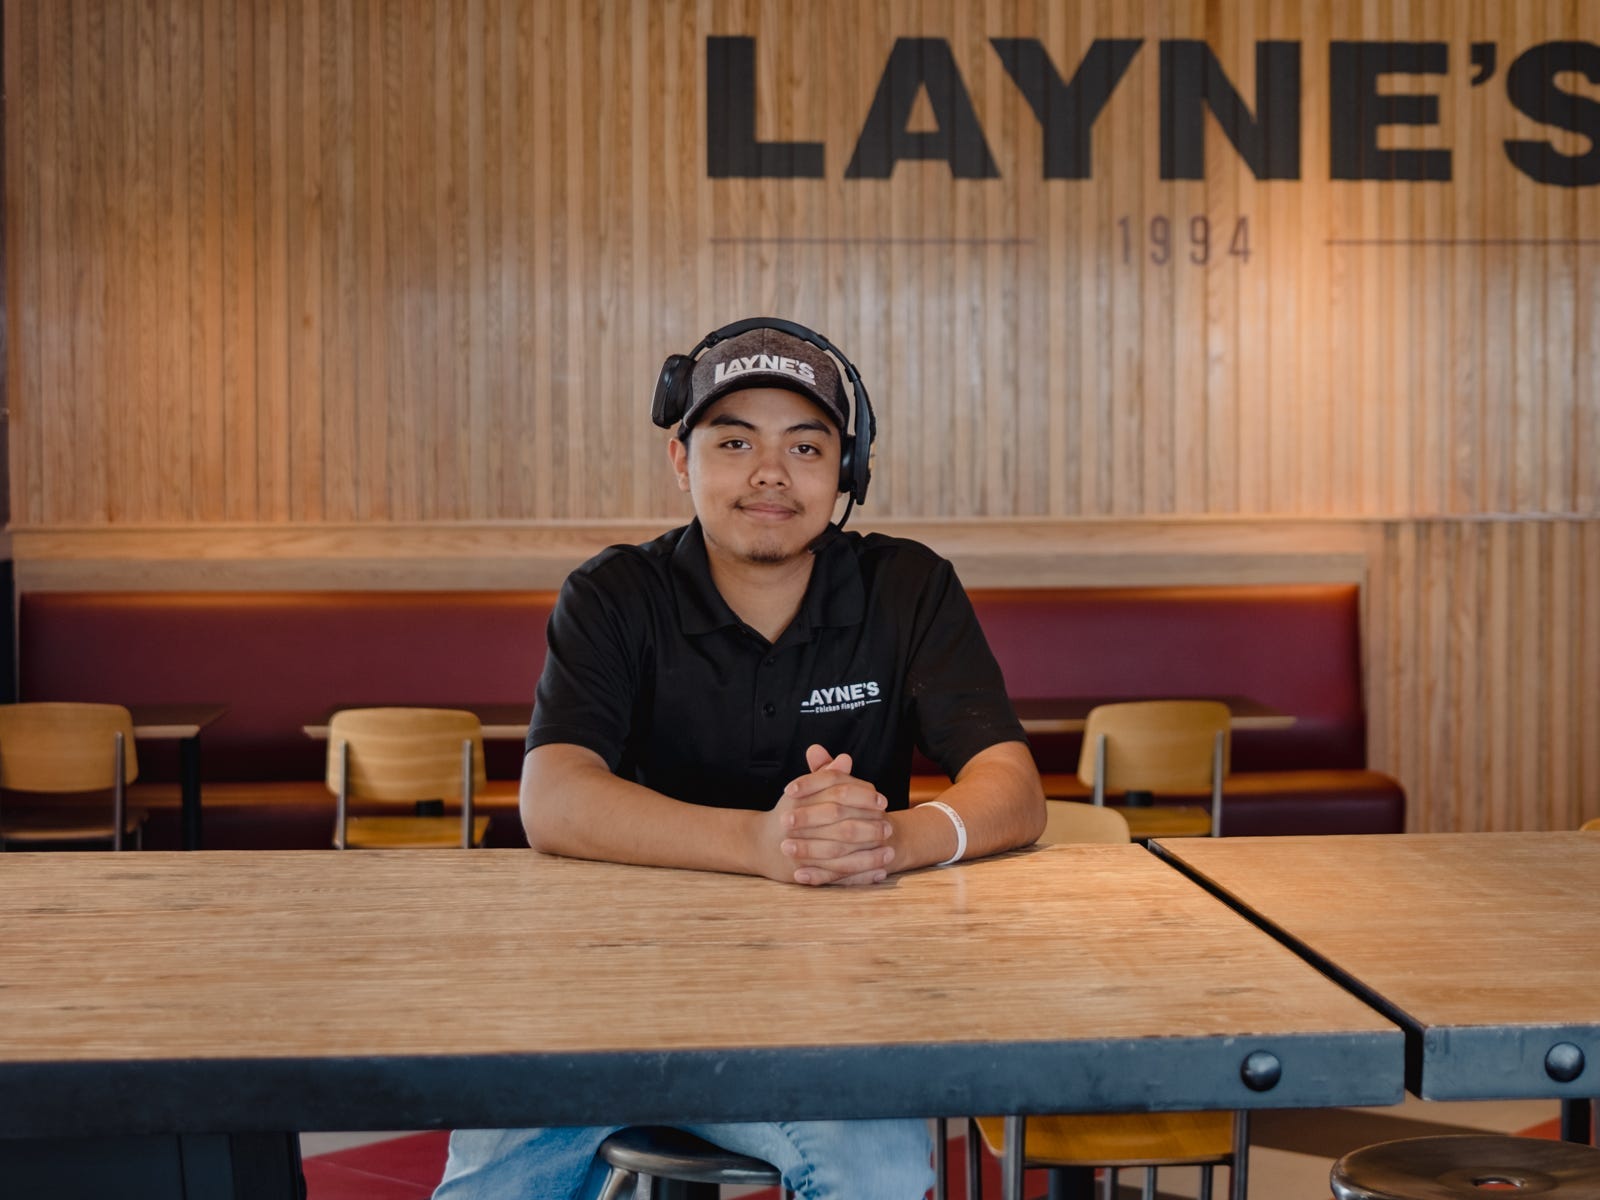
1577	1121
189	775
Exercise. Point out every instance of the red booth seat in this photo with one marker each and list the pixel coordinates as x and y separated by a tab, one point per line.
279	660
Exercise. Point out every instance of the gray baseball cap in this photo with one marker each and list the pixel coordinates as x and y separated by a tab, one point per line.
767	358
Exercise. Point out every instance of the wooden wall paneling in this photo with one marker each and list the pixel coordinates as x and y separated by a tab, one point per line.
1481	639
1224	190
319	227
24	428
1128	398
55	410
1009	380
1585	656
1311	264
1251	349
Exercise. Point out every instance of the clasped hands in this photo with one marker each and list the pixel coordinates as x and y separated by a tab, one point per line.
829	827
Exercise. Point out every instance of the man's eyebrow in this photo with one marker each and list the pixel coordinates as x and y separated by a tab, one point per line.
809	426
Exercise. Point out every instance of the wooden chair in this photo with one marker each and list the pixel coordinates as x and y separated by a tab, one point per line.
414	756
70	757
1591	826
1070	821
1073	1146
1155	746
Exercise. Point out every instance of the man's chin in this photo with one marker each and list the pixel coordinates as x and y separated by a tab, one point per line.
768	553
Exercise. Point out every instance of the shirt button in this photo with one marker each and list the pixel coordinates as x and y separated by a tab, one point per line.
772	662
769	708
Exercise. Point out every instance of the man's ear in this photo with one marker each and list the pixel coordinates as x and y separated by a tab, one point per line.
678	453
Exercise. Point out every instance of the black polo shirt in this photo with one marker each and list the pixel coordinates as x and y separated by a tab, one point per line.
648	667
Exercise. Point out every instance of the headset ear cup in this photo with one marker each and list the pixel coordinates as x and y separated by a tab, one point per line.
668	404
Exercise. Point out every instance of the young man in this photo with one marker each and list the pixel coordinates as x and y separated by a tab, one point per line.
743	694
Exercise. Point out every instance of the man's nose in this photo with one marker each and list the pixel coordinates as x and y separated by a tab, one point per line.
771	470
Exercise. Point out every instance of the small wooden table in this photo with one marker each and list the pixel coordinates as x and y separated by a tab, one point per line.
501	722
490	988
183	722
1484	947
1069	714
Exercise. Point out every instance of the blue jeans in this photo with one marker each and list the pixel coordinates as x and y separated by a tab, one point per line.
820	1160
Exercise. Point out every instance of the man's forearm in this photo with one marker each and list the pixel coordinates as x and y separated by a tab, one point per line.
997	798
572	805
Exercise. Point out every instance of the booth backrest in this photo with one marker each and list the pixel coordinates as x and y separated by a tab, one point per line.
1295	647
281	659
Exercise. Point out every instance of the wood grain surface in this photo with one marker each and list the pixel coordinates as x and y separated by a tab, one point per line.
1488	945
153	956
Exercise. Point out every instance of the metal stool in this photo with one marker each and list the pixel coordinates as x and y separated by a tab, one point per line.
642	1154
1468	1167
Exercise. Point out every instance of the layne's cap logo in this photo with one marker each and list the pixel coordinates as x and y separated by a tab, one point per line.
840	699
765	357
735	367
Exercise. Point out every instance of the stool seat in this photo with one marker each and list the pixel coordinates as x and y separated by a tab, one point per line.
661	1152
1467	1167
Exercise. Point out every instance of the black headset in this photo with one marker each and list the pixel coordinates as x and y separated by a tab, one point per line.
673	392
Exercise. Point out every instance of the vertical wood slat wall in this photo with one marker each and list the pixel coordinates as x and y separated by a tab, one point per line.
315	263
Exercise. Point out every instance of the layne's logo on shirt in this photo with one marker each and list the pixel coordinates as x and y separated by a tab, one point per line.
763	362
840	699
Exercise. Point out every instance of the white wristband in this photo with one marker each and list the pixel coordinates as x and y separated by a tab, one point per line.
961	829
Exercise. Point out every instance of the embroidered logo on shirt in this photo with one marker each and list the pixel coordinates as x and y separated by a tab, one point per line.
840	699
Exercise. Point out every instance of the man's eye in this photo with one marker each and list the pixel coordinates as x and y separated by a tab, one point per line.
807	448
733	443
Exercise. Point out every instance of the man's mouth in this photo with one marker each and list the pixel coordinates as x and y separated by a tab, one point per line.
766	508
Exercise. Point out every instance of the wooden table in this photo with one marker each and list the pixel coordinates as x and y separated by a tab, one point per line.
1069	714
184	722
396	990
1484	947
501	722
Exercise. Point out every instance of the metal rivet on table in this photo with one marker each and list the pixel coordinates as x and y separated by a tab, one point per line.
1261	1071
1564	1062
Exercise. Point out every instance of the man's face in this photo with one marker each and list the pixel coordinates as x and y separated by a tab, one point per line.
762	466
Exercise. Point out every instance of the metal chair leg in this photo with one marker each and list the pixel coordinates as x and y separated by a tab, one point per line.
616	1184
1071	1183
974	1166
941	1159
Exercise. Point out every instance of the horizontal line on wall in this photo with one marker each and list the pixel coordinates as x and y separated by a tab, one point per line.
1463	242
871	241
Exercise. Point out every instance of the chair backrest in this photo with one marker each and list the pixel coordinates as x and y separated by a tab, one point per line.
403	754
1068	821
1155	745
64	747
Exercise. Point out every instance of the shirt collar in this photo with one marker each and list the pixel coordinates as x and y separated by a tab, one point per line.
834	597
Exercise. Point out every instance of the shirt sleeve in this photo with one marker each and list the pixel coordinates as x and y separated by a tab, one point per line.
591	675
954	682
